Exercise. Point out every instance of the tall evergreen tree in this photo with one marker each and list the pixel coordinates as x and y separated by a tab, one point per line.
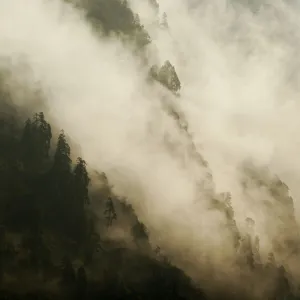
164	22
110	212
81	196
35	141
81	182
168	77
62	160
62	185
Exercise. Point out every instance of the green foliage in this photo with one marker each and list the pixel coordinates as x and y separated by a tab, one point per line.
81	182
110	212
167	76
115	16
44	203
62	160
35	141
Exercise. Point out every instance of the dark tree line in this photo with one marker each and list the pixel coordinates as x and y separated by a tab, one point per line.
46	226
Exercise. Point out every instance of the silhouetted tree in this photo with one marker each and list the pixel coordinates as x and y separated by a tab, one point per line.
167	76
110	213
62	185
81	194
81	182
62	160
35	141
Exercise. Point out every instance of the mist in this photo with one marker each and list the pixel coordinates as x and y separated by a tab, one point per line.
238	66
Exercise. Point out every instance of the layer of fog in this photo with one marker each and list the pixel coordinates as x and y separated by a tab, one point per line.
239	93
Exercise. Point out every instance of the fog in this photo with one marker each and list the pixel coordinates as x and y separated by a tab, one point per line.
238	66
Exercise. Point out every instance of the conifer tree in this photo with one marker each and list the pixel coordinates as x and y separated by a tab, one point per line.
110	212
164	22
62	160
168	77
81	182
35	141
62	186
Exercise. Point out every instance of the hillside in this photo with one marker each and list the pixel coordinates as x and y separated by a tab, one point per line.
66	234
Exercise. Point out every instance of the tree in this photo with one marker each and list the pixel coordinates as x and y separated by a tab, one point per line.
115	16
231	223
62	191
167	76
81	196
81	182
43	133
62	160
35	141
110	212
164	22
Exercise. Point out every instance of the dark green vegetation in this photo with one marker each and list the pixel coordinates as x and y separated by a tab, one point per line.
56	222
50	241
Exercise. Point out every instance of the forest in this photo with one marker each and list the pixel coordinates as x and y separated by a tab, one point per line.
58	214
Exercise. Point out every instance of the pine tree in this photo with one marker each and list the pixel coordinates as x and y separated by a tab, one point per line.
62	190
35	141
231	223
164	23
168	77
62	160
81	182
110	212
45	134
